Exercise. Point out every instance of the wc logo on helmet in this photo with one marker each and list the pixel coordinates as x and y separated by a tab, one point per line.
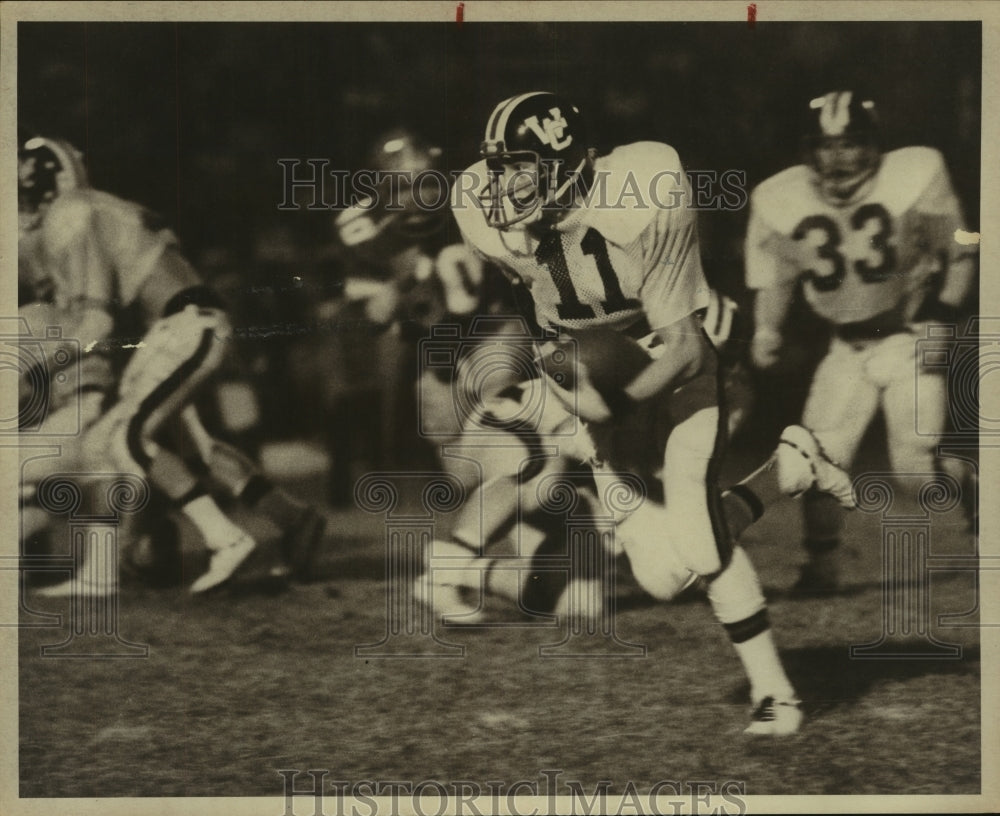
550	131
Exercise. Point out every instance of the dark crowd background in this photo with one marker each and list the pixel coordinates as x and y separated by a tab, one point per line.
191	119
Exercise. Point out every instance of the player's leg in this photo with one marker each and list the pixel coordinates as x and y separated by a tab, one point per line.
491	510
501	463
841	404
912	446
913	440
801	464
178	354
670	547
240	477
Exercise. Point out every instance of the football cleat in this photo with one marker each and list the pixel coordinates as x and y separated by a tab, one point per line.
96	576
448	592
224	563
775	718
85	588
802	464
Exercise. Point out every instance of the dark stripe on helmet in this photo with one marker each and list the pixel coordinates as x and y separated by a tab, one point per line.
501	114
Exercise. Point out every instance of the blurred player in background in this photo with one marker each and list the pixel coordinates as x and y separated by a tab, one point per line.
404	270
620	274
870	240
112	277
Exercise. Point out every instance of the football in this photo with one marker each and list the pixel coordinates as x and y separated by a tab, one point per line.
611	359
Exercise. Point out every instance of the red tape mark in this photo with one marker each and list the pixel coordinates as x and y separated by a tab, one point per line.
751	14
460	13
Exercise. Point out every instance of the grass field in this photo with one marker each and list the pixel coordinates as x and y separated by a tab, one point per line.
241	684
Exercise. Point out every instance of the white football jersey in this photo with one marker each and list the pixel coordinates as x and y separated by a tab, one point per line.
858	260
629	250
91	248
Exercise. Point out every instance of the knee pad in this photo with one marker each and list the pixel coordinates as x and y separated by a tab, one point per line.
735	593
656	563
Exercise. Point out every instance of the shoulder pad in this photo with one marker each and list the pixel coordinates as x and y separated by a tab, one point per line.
905	174
781	200
633	183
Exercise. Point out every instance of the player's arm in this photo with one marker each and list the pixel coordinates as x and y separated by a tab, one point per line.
685	355
775	289
672	291
770	309
951	302
945	225
960	278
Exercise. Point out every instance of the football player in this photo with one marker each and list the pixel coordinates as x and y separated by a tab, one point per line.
101	262
607	247
870	241
405	270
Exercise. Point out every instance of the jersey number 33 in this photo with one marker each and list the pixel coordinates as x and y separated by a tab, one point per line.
872	224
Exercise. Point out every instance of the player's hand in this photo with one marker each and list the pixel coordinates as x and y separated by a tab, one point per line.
584	400
765	349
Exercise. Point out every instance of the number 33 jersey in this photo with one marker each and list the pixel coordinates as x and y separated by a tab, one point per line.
629	249
871	257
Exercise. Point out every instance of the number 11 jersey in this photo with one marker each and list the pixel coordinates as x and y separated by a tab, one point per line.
628	250
871	257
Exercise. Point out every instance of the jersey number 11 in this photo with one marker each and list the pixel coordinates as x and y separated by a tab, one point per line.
551	255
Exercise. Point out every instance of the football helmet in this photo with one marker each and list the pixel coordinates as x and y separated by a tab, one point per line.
536	150
842	144
46	168
411	193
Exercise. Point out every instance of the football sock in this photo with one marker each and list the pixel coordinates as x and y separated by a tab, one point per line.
741	509
215	527
738	603
746	502
824	521
760	660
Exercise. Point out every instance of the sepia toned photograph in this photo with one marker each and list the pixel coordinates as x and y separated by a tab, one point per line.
473	408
